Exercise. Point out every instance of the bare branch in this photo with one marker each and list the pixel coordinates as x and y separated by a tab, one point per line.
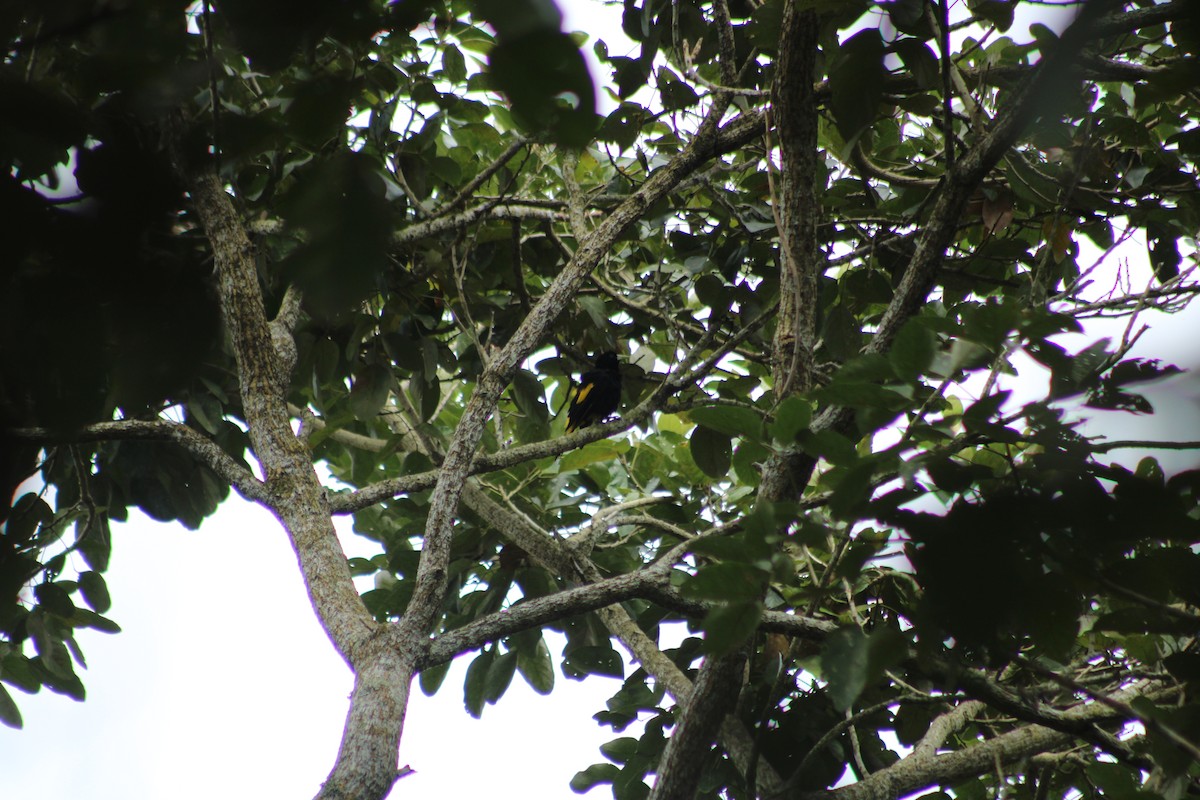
916	772
1118	706
540	611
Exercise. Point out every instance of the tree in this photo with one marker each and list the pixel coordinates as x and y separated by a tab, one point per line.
380	241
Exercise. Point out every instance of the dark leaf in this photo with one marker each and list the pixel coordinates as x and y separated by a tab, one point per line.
547	81
500	675
728	625
845	663
372	385
913	350
432	677
856	83
729	420
95	591
830	445
536	666
54	599
920	61
728	581
793	416
712	451
595	660
28	513
10	715
594	776
475	686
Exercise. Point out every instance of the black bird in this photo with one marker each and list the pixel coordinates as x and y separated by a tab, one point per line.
598	394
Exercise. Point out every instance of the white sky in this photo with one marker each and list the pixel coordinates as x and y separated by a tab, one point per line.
222	684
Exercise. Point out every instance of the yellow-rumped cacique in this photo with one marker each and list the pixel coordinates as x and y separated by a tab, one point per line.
598	394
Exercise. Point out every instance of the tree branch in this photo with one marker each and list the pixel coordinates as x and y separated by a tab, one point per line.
204	449
540	611
713	696
368	754
1048	79
914	772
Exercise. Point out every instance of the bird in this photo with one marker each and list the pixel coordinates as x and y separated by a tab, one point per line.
598	394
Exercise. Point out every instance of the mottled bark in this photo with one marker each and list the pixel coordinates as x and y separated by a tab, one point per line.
713	696
794	112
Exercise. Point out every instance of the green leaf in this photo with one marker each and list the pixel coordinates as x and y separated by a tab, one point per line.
68	684
856	83
861	394
913	350
432	677
829	445
920	61
95	591
19	671
793	416
55	657
10	715
54	599
728	625
595	660
603	450
454	64
372	385
90	619
530	395
500	675
207	411
29	512
851	660
620	750
594	775
712	451
845	664
729	420
476	684
729	581
546	79
537	667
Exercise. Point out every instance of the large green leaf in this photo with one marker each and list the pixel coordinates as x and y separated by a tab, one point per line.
475	687
728	625
544	76
856	82
729	420
536	666
711	450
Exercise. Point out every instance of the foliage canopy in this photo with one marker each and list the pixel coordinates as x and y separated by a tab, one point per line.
824	237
